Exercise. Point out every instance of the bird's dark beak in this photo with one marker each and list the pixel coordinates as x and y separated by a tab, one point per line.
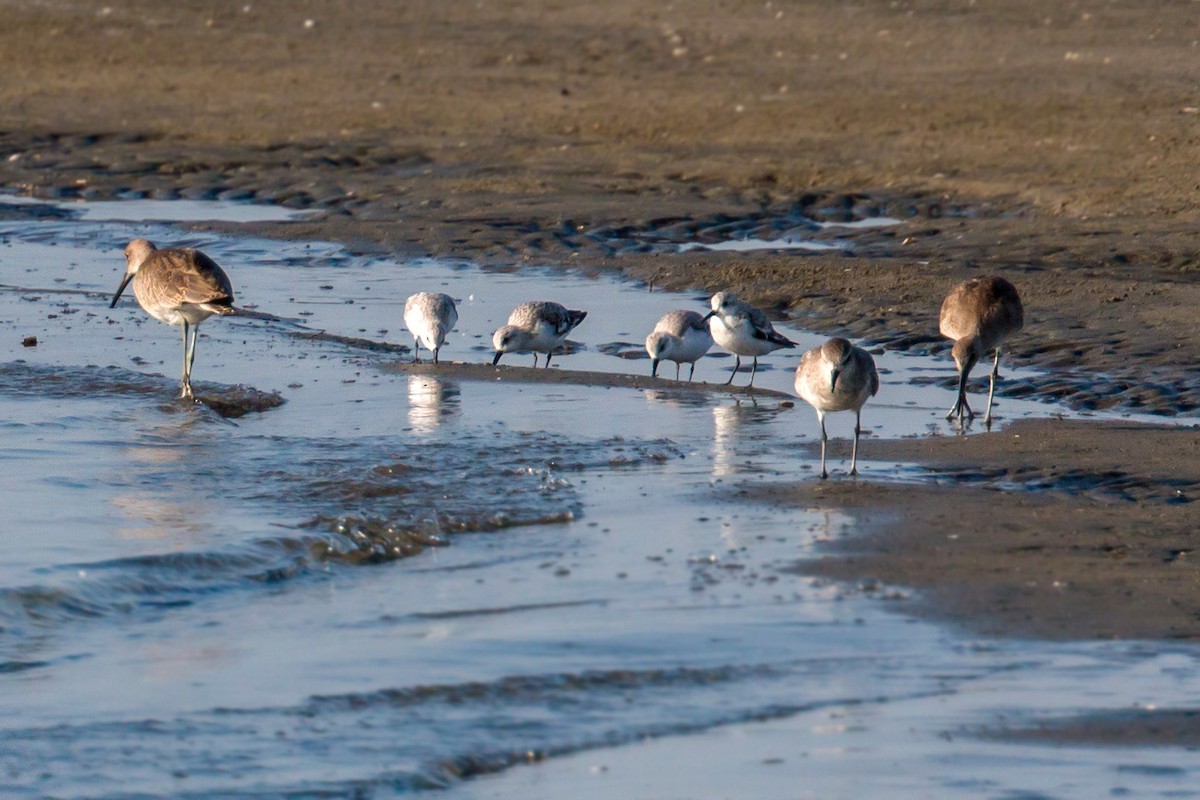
970	365
496	358
654	368
833	380
124	282
965	374
709	316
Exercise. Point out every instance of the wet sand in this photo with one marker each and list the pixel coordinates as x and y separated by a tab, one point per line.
1051	529
1056	146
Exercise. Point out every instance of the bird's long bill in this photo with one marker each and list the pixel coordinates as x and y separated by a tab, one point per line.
496	358
709	315
965	373
962	382
654	368
833	380
124	282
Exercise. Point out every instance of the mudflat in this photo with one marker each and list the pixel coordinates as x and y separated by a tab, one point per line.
1054	143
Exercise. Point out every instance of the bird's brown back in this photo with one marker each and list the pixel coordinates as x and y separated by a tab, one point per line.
180	276
988	307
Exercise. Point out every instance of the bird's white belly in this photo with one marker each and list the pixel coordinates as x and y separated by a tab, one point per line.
821	397
692	345
544	338
429	333
170	313
740	338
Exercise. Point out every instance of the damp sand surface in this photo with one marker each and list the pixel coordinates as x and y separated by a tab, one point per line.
381	579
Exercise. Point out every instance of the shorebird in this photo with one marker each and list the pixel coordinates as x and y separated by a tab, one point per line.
537	327
429	316
837	376
743	330
979	314
178	286
679	336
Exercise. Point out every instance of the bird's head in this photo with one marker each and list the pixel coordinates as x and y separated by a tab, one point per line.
136	253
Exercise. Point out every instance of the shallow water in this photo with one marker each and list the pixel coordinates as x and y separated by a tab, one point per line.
392	582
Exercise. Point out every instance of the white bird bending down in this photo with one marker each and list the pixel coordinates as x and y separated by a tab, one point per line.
537	327
178	286
743	330
979	315
837	376
429	316
680	336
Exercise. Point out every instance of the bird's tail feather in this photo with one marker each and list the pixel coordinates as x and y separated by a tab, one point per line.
778	338
218	308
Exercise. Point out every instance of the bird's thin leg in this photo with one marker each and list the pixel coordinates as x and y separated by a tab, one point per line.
416	350
753	372
547	364
692	374
737	364
435	355
186	386
854	449
987	417
192	352
677	371
824	438
535	360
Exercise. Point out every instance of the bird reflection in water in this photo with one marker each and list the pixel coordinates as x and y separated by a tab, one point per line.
734	449
166	478
430	401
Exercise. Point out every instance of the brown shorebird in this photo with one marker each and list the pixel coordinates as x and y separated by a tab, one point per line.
979	314
680	336
837	376
178	286
537	327
743	330
429	317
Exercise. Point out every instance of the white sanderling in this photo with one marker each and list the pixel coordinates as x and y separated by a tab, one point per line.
680	336
743	330
429	316
837	376
536	327
178	286
979	314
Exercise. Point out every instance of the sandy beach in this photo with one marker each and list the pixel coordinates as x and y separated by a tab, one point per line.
1052	143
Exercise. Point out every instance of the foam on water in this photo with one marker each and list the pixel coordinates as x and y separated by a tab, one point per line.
392	582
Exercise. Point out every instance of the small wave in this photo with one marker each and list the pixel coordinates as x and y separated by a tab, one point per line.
122	586
540	688
430	736
373	541
352	504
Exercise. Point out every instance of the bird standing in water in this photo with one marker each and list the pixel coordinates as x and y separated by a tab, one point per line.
536	327
429	316
178	286
837	376
979	315
680	336
743	330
